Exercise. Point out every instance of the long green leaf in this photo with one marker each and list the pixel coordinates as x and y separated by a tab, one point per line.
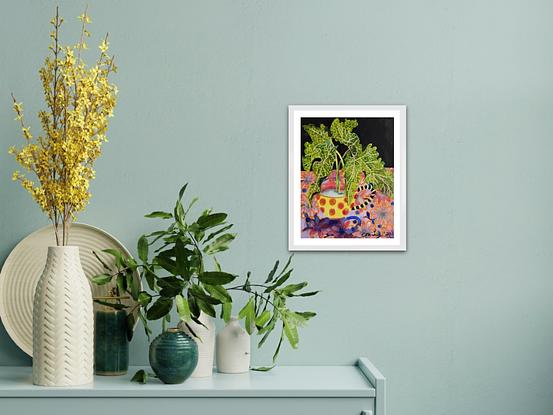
130	326
159	214
181	259
220	244
156	233
194	309
269	327
178	212
279	281
307	294
244	311
306	315
263	339
159	309
292	288
216	277
226	312
206	307
169	292
217	232
101	279
283	270
132	287
167	263
194	335
142	248
182	190
121	282
263	318
199	293
183	308
248	312
291	332
277	351
150	278
219	292
211	220
171	282
272	273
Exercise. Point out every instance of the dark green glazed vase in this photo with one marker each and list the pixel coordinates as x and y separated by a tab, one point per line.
111	346
173	356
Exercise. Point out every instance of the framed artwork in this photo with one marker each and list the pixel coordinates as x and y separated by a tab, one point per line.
347	178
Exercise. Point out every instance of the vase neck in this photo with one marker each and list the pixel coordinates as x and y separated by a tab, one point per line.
71	252
63	248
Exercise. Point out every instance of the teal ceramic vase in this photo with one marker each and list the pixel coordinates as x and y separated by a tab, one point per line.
173	356
111	345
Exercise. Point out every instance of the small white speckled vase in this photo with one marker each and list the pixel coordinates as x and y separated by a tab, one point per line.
63	322
233	348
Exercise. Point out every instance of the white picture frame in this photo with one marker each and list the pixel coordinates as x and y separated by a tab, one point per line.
395	240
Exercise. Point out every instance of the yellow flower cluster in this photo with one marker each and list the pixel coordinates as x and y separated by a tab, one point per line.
79	99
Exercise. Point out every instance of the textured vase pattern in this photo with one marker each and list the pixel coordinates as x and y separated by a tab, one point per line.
173	356
63	322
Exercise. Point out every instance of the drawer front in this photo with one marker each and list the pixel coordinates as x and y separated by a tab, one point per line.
204	406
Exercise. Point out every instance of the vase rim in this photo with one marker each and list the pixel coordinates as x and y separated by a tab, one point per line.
331	193
63	247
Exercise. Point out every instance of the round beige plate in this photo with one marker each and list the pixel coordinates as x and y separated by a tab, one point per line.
24	266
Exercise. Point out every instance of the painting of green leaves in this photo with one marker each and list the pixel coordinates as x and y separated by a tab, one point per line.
347	169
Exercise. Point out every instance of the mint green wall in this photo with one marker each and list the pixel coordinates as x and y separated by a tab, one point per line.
460	323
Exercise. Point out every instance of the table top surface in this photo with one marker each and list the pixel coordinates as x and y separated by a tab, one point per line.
283	381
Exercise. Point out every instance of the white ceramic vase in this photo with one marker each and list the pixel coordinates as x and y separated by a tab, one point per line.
205	342
233	348
63	322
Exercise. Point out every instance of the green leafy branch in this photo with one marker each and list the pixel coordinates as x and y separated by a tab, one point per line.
267	309
124	286
172	261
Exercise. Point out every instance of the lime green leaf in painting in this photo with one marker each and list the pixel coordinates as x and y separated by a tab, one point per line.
369	165
319	156
343	133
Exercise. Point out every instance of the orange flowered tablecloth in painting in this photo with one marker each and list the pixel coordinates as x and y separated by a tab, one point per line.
374	219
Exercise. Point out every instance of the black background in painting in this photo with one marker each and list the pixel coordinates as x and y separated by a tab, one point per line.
377	131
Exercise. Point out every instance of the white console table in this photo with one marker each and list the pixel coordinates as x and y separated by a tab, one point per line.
329	390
